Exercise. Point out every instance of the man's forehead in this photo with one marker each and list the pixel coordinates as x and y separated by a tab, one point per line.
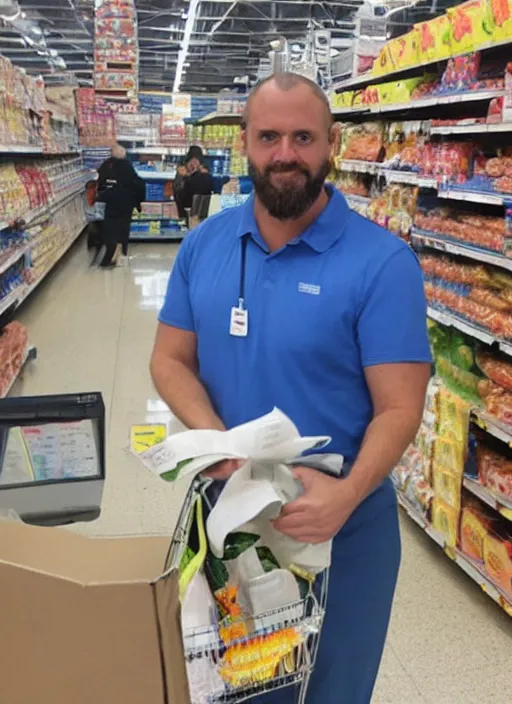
298	105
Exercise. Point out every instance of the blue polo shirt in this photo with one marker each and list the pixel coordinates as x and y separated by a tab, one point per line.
342	296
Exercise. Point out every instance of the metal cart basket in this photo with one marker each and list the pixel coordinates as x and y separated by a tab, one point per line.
296	626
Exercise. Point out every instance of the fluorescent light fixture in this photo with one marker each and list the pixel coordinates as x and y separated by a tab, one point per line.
53	52
182	55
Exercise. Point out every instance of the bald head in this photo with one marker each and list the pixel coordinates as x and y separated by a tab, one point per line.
118	152
286	82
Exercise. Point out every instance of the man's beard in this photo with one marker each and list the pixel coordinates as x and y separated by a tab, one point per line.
291	200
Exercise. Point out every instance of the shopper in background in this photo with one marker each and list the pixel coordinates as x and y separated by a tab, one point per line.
121	190
295	301
196	181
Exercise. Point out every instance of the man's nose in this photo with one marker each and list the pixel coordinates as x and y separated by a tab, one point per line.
285	151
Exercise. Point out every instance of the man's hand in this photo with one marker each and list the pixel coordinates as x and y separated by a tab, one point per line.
321	511
224	469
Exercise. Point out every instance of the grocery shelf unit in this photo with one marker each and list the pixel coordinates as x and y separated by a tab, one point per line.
154	226
37	230
458	116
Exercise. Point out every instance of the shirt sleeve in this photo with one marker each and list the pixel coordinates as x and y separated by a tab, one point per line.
177	309
392	323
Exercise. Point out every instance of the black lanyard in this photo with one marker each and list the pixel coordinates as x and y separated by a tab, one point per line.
243	262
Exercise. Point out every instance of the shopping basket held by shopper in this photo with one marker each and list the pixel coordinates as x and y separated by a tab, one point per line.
295	301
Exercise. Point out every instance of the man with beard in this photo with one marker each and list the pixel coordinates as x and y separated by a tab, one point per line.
295	301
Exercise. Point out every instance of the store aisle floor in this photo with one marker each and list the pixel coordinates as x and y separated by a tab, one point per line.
448	644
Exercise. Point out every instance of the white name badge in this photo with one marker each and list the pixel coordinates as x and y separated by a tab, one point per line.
239	324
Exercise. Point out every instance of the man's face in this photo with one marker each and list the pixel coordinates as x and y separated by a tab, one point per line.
193	165
288	146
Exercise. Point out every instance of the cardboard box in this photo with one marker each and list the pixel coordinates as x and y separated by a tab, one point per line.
88	620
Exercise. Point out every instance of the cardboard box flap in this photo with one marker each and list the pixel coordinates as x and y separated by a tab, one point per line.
171	639
63	642
60	553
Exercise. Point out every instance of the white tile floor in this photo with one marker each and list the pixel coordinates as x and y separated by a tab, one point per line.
448	643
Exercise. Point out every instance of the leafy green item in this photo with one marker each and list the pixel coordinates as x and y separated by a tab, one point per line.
172	474
216	572
237	543
463	357
267	559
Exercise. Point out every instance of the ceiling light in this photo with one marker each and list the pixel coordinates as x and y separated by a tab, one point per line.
23	15
184	15
182	55
53	52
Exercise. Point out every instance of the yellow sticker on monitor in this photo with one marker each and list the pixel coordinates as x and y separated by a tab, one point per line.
142	437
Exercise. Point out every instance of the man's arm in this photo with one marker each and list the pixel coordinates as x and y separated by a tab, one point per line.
398	396
174	372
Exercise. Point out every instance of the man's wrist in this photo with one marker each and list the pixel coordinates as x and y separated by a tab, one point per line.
352	489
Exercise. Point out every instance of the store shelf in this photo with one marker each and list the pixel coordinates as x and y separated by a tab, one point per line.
357	200
476	128
499	503
27	290
29	354
474	196
11	256
20	149
408	177
14	296
433	101
368	79
220	117
442	244
156	238
156	175
453	321
492	426
358	166
49	208
473	570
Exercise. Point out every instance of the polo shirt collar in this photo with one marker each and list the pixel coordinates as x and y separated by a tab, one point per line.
320	235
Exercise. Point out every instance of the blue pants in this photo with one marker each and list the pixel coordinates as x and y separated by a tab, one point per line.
364	570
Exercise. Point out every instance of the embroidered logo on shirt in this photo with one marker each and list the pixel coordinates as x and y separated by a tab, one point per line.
312	289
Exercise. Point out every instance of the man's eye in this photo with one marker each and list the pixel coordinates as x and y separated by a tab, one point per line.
304	138
268	136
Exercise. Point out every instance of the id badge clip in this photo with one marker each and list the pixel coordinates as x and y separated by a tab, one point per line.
239	323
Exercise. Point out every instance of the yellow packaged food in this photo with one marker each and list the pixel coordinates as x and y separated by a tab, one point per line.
474	526
447	486
450	454
435	39
501	14
445	519
498	560
453	417
383	64
405	50
471	25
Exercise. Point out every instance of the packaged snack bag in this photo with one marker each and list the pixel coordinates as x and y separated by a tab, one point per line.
501	12
445	519
435	39
405	50
498	558
472	25
383	64
447	485
475	524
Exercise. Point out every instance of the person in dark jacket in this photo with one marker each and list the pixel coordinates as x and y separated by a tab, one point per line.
198	182
195	180
121	190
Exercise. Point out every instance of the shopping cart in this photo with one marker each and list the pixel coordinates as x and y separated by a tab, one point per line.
293	630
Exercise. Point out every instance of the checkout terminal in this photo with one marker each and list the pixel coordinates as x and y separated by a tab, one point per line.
52	457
